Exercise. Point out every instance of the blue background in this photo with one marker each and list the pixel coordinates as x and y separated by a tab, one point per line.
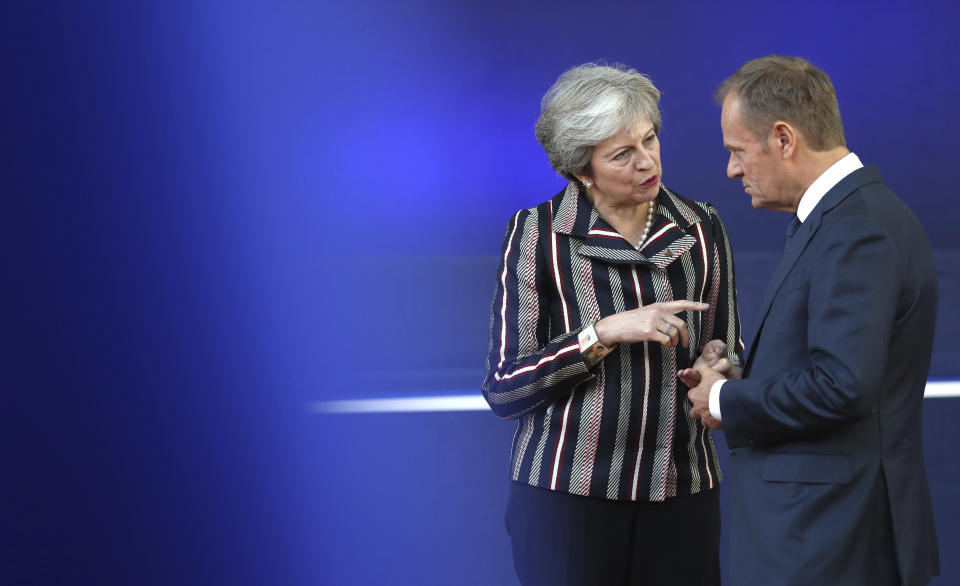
219	213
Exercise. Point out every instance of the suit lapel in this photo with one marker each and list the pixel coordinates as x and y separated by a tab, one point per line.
802	238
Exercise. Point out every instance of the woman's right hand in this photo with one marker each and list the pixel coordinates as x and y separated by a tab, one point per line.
656	322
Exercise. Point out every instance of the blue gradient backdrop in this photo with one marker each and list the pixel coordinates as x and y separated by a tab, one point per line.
217	213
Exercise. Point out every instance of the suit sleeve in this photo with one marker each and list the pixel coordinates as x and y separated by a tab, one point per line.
851	304
525	369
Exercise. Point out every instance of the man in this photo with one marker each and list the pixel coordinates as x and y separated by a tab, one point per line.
829	485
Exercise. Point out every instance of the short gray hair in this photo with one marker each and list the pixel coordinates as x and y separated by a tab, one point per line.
587	105
790	89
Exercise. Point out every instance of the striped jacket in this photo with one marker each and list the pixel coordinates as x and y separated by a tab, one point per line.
620	430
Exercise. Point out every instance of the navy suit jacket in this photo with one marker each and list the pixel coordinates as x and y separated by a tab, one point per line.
825	426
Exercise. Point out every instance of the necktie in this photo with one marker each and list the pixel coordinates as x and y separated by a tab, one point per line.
791	230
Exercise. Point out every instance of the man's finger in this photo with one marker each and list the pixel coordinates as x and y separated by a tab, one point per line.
723	366
691	394
715	347
690	377
702	367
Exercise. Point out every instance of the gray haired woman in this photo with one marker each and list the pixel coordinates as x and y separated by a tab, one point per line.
603	294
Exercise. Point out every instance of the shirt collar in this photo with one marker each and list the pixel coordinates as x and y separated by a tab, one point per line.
825	182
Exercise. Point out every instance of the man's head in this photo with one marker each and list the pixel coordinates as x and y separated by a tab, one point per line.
780	123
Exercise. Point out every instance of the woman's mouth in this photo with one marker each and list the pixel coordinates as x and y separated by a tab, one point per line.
651	182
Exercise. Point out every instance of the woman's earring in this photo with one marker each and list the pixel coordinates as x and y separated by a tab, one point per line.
588	184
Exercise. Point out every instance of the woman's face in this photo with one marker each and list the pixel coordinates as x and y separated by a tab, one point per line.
626	167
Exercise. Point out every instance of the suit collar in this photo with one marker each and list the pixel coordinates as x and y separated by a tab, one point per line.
805	233
670	235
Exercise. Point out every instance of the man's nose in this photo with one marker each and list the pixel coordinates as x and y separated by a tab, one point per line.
733	168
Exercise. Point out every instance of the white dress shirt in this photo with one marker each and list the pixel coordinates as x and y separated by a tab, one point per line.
811	197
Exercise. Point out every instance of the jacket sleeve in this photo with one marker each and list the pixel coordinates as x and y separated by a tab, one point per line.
723	316
851	307
524	368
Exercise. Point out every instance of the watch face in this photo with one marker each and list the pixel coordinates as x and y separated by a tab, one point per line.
587	336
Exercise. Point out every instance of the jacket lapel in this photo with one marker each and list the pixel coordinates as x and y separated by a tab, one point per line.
802	237
597	239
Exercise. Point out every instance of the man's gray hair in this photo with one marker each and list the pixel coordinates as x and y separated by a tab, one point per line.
587	105
790	89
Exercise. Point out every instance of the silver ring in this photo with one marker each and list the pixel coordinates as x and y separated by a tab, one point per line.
666	332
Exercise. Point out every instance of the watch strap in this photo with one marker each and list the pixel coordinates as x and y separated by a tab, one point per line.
591	348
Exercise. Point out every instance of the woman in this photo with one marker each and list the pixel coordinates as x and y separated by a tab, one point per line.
603	294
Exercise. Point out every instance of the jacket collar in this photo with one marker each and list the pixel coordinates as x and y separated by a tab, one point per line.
670	235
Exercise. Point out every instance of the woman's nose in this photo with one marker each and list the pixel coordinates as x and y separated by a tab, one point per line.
643	160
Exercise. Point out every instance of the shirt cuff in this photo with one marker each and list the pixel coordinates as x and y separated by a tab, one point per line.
715	399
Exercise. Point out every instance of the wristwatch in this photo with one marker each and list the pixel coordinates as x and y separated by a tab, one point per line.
591	348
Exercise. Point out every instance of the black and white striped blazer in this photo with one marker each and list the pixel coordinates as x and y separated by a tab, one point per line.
621	429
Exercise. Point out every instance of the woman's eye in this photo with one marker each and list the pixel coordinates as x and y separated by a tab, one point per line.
620	155
650	138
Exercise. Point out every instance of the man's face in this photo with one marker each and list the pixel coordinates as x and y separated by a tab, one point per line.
757	163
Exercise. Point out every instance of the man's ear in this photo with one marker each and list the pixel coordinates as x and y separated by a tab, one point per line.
785	137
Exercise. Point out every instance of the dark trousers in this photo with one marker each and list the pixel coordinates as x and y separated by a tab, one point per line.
561	539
